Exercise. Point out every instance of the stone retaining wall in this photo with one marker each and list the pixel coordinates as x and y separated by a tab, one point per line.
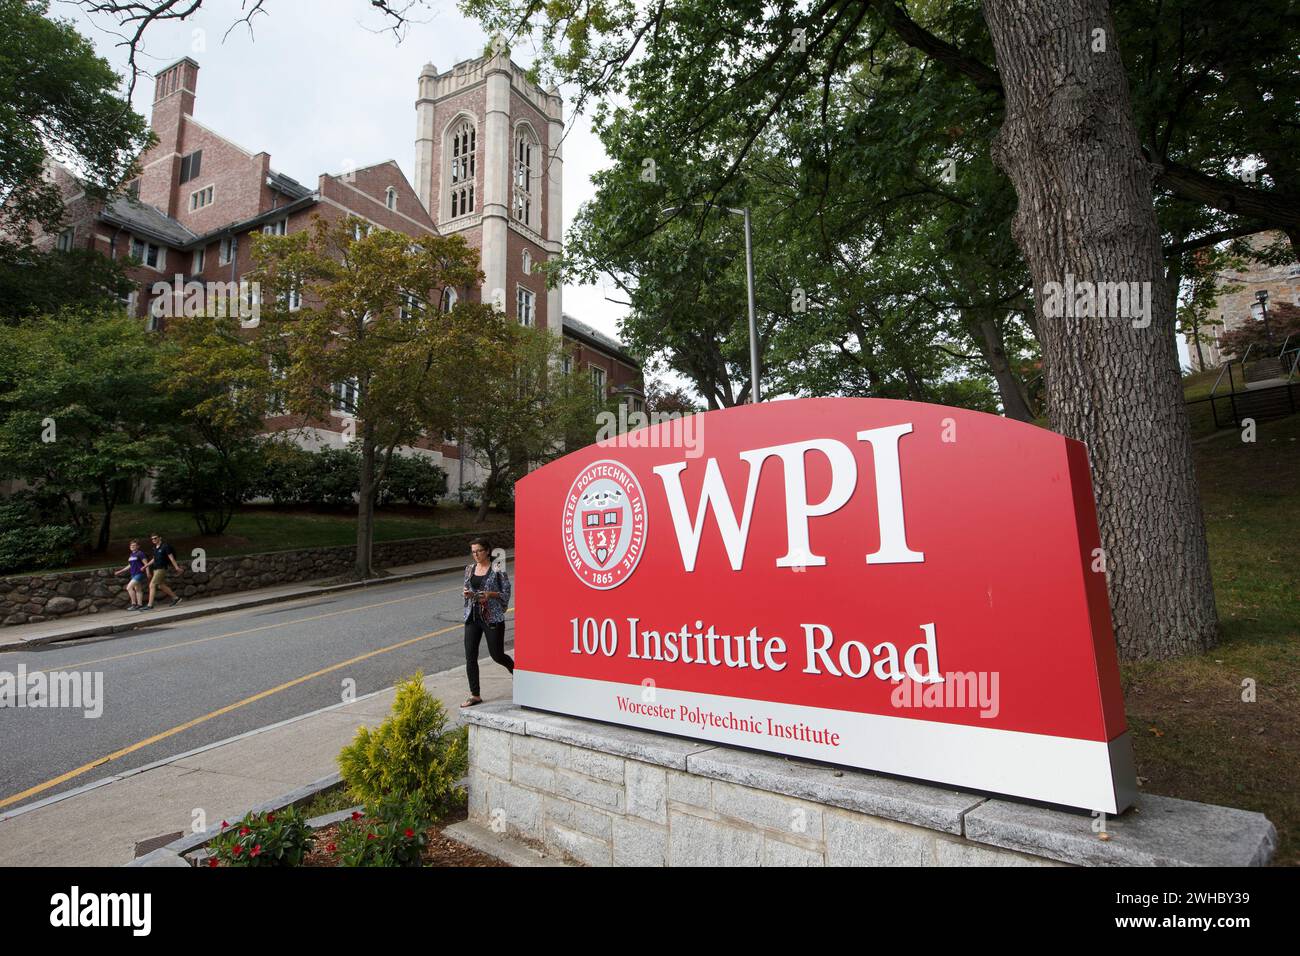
605	795
30	599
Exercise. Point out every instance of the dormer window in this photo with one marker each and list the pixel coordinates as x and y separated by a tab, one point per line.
277	228
464	149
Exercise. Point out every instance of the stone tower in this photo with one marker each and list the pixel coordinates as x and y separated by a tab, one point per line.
488	167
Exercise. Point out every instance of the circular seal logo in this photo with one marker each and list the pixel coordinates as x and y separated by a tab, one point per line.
604	524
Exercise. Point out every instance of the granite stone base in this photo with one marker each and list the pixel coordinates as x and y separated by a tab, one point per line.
605	795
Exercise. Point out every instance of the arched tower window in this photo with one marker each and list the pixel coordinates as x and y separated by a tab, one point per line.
464	147
390	198
525	157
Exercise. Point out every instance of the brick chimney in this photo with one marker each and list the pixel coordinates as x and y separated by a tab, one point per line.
173	99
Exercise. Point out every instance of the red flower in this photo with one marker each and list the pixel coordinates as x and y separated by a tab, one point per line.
270	818
212	861
244	831
356	814
224	824
329	848
409	833
370	836
237	849
256	850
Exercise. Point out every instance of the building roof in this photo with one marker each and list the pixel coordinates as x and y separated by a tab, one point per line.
287	185
597	339
148	220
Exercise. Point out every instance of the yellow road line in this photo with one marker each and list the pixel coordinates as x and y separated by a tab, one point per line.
180	728
251	630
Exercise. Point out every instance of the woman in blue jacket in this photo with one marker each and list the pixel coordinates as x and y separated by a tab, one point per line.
487	595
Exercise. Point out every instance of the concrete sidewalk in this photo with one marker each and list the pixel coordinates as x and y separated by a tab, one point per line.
112	622
100	823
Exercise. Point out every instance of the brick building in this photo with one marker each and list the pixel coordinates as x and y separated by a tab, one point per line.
487	165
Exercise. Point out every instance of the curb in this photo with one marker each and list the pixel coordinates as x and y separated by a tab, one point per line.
148	622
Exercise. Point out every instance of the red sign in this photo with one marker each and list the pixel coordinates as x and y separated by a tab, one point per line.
907	588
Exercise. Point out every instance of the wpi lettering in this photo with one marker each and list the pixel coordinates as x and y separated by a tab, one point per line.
893	547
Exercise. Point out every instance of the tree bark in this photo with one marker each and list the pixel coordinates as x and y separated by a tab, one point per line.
366	502
1069	144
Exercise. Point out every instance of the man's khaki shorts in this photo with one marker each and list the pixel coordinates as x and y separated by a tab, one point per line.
159	577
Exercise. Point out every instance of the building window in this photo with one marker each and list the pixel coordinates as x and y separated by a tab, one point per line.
201	198
295	300
229	249
464	148
525	153
149	253
66	238
345	396
190	165
528	263
277	228
598	382
568	364
449	299
131	302
410	308
524	300
359	231
197	265
390	198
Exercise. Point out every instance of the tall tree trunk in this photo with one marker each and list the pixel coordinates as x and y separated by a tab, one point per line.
987	337
1069	145
366	501
109	499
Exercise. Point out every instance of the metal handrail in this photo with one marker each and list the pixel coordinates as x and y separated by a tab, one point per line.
1294	362
1244	357
1215	387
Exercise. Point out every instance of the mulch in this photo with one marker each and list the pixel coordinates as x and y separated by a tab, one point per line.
441	850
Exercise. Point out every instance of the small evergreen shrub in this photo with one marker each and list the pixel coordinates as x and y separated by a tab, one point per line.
278	838
411	754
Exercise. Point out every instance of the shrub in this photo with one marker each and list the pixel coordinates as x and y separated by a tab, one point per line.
390	833
414	479
208	483
279	838
411	754
33	538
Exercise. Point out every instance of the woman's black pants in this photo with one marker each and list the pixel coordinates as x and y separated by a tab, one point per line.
496	641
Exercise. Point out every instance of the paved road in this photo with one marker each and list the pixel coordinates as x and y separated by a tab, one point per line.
170	689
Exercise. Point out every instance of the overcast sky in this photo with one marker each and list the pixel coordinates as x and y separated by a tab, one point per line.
322	86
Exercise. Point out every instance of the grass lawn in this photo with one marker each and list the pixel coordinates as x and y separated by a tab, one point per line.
258	528
1194	736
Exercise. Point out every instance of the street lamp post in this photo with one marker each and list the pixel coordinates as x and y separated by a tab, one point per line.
755	396
1261	297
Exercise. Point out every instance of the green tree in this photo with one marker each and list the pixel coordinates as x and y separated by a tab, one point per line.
80	410
524	410
369	339
218	382
57	98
